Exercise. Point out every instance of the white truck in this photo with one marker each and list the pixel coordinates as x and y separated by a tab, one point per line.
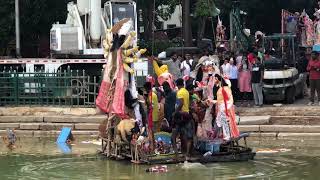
282	81
84	30
77	44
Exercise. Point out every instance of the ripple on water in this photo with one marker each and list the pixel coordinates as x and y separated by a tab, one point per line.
90	168
58	168
262	167
275	166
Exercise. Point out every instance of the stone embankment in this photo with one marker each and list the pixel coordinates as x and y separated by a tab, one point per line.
294	122
47	122
275	122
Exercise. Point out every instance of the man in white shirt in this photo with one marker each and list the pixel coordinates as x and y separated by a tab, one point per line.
226	68
186	65
234	79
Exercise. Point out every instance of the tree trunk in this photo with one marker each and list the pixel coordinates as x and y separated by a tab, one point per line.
186	23
148	25
201	29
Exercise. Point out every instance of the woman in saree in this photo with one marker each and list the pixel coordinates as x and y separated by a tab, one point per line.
205	81
225	119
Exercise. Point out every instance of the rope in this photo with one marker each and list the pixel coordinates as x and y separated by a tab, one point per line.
153	20
182	31
213	31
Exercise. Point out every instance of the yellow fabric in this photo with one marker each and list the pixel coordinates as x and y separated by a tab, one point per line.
159	70
184	94
155	107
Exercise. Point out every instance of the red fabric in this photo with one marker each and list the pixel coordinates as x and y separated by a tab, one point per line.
105	96
251	58
230	113
102	99
118	105
150	121
233	125
150	118
312	68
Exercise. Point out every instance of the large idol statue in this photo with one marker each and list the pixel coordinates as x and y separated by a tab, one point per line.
118	72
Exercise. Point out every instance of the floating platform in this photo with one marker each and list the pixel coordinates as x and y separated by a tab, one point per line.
229	151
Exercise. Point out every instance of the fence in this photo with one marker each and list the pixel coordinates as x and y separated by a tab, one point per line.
62	88
67	88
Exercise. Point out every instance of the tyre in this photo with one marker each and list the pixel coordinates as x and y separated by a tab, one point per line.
290	95
301	94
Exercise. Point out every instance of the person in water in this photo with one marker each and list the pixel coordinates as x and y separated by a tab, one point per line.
10	139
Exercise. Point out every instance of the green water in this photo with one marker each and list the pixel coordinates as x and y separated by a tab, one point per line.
42	159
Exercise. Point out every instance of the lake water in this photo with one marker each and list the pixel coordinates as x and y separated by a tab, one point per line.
42	159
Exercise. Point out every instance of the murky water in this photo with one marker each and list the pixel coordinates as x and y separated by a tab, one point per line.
42	159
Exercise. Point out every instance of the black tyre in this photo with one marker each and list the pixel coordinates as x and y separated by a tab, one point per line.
290	95
301	94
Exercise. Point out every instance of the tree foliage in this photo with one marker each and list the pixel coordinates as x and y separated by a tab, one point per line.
206	8
37	16
264	15
36	19
165	8
7	23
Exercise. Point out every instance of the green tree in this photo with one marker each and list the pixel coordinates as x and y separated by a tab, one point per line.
7	26
204	9
36	18
186	23
153	8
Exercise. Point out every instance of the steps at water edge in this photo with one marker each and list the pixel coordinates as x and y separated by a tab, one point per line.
52	133
279	111
30	126
295	120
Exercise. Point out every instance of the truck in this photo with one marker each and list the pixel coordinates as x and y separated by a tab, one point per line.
282	81
76	46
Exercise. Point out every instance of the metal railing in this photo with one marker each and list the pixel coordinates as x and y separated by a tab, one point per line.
72	88
62	88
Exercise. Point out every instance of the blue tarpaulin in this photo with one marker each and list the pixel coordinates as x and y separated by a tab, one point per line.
64	134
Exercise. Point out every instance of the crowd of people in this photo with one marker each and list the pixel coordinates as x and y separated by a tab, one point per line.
193	98
244	71
195	102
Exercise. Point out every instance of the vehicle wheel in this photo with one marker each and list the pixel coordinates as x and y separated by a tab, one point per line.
301	94
290	95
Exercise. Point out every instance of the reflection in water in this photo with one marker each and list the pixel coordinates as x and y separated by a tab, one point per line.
43	160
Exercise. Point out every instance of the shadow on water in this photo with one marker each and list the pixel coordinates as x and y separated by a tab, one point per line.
41	159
